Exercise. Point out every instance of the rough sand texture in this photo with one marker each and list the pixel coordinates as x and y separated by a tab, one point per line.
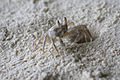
25	20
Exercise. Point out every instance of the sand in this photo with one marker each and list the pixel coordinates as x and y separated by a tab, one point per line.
24	21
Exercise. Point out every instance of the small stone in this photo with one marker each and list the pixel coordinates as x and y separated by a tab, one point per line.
45	10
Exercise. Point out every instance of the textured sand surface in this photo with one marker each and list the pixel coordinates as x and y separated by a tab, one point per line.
25	20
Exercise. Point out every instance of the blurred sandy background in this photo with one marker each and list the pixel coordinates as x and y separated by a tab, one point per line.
25	20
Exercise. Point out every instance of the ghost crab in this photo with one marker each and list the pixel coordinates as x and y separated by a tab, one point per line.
76	34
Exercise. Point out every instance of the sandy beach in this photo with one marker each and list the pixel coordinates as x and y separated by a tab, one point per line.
24	21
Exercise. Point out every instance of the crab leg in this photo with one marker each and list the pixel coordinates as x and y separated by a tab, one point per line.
44	42
38	42
61	42
54	46
34	42
85	36
89	34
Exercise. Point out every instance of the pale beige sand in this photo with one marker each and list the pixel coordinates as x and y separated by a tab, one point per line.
26	20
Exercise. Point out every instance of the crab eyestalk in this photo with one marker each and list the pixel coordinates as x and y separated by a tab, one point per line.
59	25
65	24
65	21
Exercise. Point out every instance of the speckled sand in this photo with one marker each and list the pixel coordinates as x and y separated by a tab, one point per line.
24	21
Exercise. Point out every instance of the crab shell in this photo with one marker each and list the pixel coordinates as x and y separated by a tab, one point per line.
79	34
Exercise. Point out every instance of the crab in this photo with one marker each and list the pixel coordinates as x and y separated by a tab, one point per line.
76	34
